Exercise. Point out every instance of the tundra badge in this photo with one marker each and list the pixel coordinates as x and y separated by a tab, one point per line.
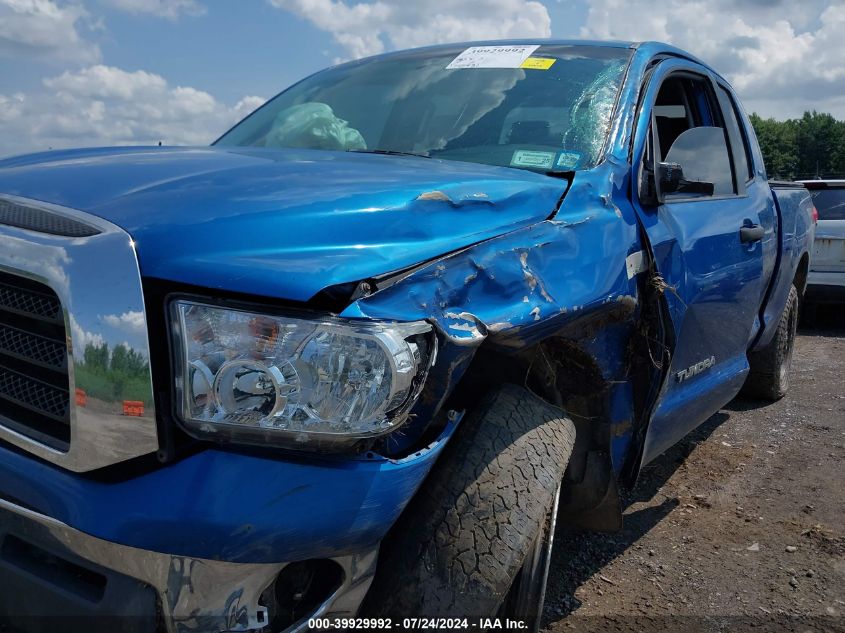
696	369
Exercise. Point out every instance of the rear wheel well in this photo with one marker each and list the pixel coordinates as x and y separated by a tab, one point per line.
800	281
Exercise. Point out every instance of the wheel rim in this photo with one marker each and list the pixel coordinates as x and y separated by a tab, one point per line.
787	359
528	592
784	369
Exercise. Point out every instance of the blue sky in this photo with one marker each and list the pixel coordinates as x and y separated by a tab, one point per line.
93	72
231	52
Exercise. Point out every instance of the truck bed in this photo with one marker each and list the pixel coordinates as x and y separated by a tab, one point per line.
794	206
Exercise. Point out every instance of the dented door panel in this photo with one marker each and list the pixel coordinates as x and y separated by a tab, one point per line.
713	286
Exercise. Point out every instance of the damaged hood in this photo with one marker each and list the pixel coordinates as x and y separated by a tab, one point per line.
284	223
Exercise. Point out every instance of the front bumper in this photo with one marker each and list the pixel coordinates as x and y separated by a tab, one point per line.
226	505
54	572
204	536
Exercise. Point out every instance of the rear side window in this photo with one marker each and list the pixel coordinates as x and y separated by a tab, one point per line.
830	203
732	119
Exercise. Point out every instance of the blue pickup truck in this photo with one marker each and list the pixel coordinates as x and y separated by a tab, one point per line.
356	358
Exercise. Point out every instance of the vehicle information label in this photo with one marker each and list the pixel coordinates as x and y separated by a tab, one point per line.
538	63
568	160
493	57
528	158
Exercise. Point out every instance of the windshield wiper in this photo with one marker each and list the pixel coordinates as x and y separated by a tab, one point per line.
390	152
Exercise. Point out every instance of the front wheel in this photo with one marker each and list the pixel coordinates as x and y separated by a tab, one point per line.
476	540
528	592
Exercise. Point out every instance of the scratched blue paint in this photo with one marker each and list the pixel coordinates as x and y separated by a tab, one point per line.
452	363
515	290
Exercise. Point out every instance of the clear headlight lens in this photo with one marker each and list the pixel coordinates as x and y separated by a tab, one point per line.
259	377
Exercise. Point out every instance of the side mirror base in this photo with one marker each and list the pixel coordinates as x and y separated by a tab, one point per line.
648	189
671	179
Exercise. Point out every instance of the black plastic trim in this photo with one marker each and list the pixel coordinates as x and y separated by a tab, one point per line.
39	220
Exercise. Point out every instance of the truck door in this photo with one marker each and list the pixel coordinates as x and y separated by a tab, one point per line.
713	244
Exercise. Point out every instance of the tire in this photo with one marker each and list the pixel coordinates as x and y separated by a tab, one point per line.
769	375
487	507
527	594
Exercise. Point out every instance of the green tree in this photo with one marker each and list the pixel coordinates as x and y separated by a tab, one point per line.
96	357
778	144
811	146
119	359
818	138
115	374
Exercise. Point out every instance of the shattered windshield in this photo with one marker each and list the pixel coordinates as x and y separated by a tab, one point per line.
543	108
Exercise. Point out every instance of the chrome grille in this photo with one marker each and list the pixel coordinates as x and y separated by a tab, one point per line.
34	386
28	346
32	393
58	400
28	302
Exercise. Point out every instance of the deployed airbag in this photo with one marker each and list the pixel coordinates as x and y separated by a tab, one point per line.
313	125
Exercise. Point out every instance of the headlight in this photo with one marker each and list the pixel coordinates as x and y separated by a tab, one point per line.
263	378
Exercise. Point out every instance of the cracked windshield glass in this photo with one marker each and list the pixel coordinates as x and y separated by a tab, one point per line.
542	108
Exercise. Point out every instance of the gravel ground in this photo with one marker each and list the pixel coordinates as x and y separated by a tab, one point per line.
740	527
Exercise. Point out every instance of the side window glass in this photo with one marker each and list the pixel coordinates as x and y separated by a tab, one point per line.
689	135
745	167
703	155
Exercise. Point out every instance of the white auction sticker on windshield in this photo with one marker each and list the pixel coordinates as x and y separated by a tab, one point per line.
493	57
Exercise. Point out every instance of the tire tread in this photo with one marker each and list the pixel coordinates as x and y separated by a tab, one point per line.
458	546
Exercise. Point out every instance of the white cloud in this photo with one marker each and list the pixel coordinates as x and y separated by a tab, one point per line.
247	105
83	337
44	29
781	59
132	322
107	82
104	105
369	28
11	107
170	9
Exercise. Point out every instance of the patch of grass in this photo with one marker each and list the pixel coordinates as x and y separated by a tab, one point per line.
113	385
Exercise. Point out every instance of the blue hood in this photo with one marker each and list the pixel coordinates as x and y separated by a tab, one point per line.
284	223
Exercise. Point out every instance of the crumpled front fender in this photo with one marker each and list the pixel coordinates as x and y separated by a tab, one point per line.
527	283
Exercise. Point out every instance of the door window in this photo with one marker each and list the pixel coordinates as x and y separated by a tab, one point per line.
745	167
690	132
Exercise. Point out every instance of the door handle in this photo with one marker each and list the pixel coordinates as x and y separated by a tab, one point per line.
753	233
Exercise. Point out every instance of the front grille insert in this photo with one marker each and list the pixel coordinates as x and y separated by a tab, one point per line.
33	347
43	221
28	302
34	385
